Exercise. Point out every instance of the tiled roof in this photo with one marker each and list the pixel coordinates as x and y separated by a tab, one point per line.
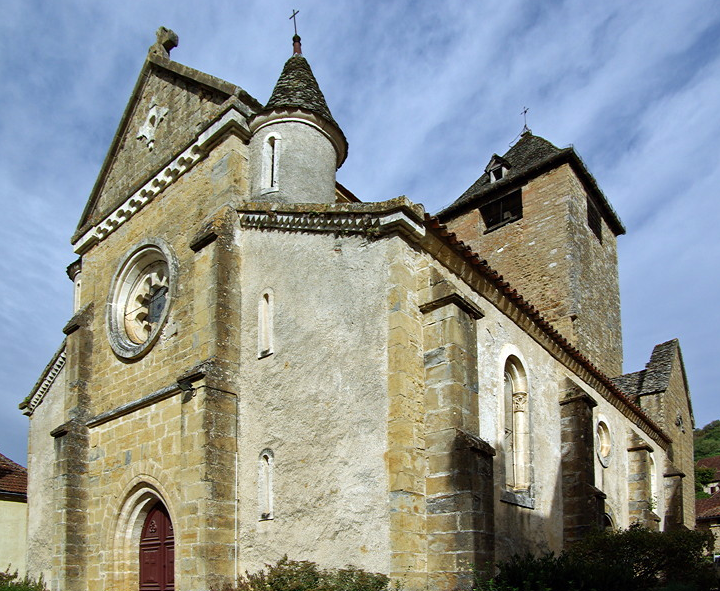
711	462
13	477
531	156
297	87
708	508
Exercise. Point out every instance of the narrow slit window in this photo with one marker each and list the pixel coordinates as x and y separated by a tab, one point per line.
265	484
270	163
265	324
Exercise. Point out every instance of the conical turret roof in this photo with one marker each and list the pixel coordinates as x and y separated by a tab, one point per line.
298	88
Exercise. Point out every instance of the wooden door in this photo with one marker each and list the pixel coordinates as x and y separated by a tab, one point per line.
157	552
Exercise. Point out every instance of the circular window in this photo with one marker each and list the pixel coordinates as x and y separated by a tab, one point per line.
140	299
603	443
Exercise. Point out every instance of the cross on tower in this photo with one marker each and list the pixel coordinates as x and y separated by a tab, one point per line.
524	114
294	14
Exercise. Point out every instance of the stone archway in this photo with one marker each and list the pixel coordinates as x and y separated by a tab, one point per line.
157	551
143	495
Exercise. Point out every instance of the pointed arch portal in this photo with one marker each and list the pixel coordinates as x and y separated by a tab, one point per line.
157	551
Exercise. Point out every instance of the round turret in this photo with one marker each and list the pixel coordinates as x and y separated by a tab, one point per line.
296	145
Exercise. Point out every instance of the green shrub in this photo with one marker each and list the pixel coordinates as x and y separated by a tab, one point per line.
635	559
11	581
292	575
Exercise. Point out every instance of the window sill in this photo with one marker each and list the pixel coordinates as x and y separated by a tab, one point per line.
521	498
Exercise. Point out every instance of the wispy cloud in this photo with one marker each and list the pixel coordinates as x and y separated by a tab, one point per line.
425	93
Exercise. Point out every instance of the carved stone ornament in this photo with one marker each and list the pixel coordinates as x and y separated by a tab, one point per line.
140	298
155	115
519	400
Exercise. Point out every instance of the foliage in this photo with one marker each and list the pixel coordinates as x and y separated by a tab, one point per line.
707	441
11	581
635	559
292	575
703	477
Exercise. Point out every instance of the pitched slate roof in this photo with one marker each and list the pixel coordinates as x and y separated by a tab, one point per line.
711	462
13	478
531	156
298	88
707	508
656	375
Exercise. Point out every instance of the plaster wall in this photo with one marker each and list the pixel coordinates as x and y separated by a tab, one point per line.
13	542
318	401
48	415
305	167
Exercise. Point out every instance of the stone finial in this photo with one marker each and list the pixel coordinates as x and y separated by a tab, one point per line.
167	39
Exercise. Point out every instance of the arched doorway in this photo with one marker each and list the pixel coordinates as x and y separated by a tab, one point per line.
157	551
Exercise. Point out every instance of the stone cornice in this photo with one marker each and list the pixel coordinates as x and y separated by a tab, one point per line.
373	219
47	379
231	121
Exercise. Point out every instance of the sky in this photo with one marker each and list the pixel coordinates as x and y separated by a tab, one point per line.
425	92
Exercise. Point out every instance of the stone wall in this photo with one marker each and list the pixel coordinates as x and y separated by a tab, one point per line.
183	107
556	262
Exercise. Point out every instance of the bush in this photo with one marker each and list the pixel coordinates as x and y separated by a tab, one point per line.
11	581
292	575
635	559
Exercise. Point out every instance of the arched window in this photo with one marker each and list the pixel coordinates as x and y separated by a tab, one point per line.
653	488
77	293
265	484
517	426
265	323
271	150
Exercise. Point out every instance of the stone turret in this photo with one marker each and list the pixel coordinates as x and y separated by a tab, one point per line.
296	146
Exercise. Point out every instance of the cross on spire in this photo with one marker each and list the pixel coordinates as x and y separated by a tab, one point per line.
297	47
294	14
525	126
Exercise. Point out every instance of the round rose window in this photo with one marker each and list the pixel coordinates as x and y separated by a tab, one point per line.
140	299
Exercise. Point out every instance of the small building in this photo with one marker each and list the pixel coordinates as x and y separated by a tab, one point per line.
713	463
707	514
13	515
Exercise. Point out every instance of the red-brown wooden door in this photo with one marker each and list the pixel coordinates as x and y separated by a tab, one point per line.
157	551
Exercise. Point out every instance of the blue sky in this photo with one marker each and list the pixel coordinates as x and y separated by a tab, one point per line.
425	92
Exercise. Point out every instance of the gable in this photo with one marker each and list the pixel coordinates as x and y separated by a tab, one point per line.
169	107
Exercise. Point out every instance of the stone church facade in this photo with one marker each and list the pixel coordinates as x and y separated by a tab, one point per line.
259	364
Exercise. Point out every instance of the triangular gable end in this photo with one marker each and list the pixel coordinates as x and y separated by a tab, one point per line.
169	106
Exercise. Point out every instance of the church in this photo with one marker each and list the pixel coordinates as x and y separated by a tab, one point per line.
261	364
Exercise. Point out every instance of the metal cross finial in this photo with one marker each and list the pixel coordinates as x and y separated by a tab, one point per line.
294	14
524	114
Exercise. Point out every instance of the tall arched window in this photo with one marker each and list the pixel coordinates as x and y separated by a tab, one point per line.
653	488
77	293
517	426
265	323
271	150
265	484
